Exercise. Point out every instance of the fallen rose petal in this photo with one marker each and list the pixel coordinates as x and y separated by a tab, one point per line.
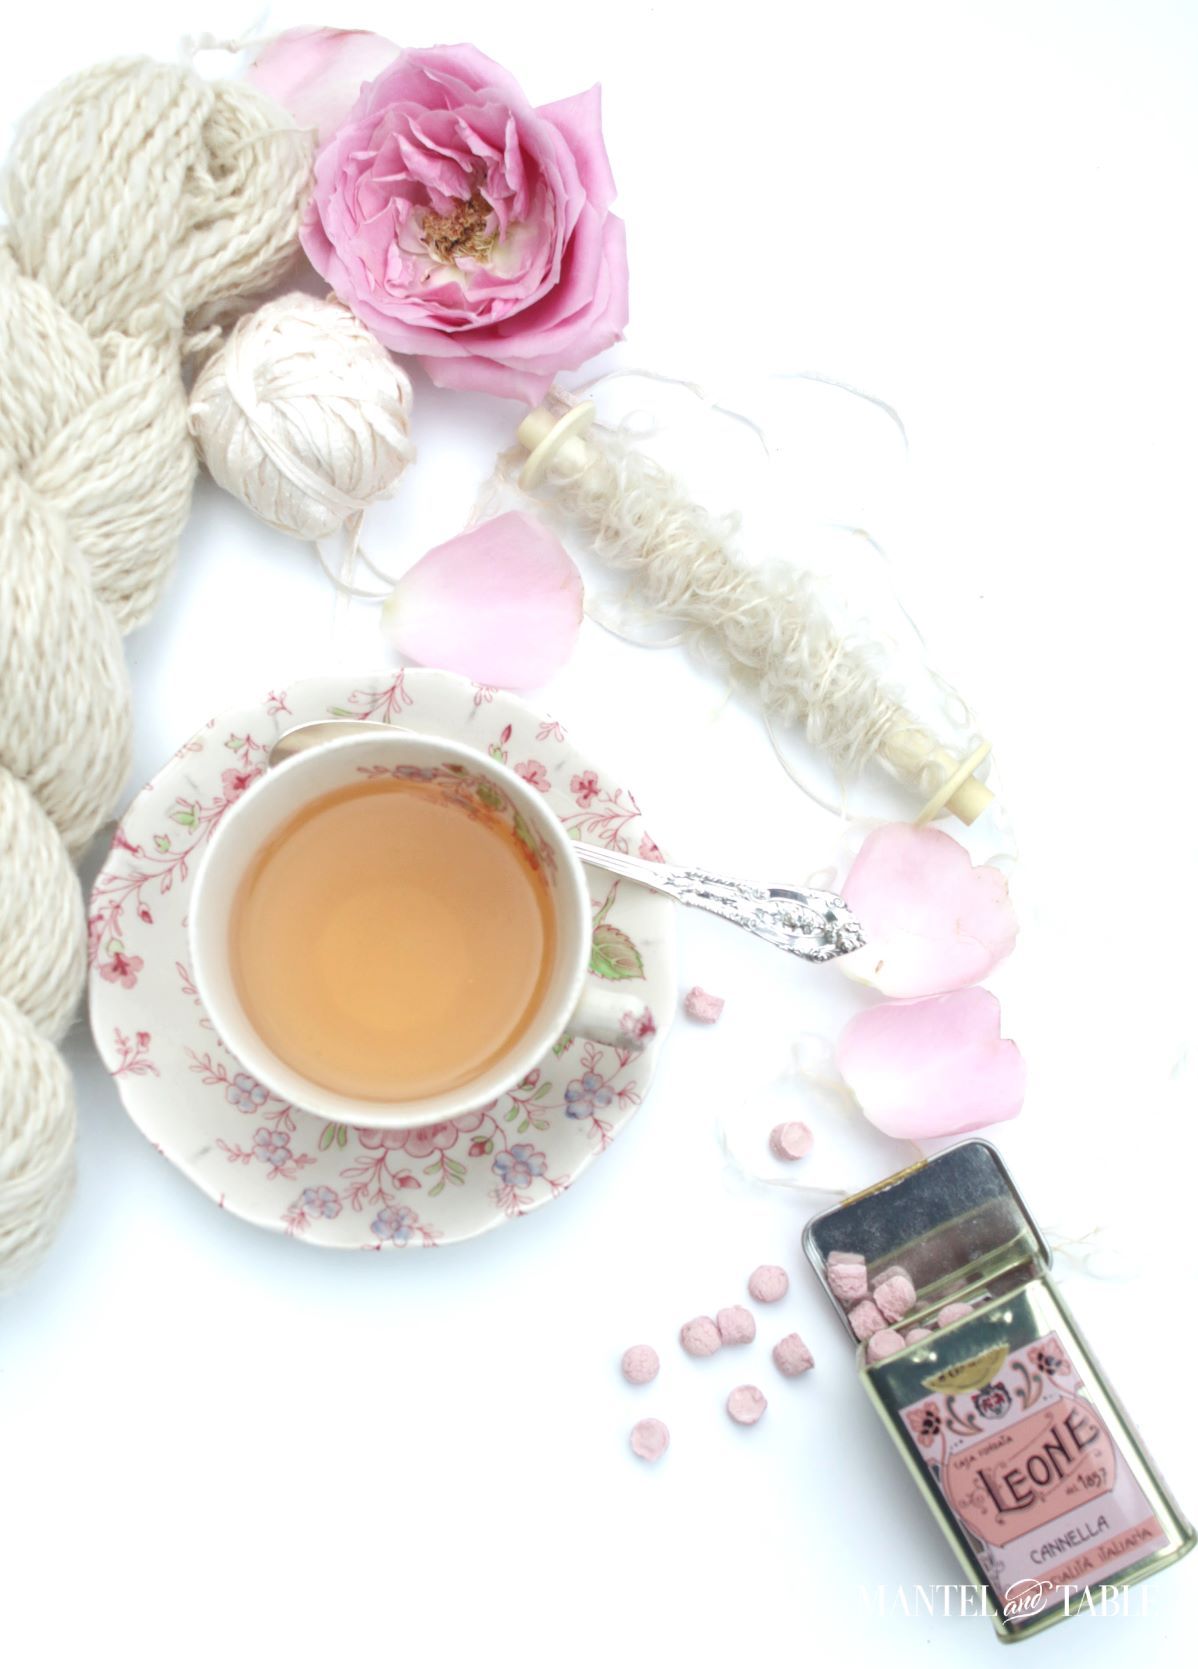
317	74
501	604
932	921
937	1066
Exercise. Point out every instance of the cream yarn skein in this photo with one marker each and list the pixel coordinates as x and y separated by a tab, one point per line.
303	415
141	202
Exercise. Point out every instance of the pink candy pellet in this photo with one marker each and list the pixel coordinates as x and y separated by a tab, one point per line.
701	1005
746	1405
894	1297
649	1439
768	1283
883	1343
844	1257
791	1141
736	1325
953	1312
848	1282
639	1364
896	1271
918	1334
866	1318
792	1357
700	1337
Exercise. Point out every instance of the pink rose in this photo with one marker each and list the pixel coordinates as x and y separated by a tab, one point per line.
459	223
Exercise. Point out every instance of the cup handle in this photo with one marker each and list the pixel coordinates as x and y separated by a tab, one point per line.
611	1016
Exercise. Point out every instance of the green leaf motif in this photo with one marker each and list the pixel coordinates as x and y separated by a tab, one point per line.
162	842
613	954
327	1137
185	816
439	1189
524	834
490	796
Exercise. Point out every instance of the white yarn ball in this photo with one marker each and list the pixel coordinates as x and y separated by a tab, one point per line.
303	415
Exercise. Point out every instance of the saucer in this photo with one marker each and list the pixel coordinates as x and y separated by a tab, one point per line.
292	1171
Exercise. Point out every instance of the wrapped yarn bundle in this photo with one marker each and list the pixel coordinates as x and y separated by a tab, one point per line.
142	202
303	415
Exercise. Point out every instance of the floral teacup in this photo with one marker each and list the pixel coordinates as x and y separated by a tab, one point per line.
570	1003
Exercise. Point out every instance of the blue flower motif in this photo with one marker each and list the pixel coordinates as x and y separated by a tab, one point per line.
273	1147
587	1096
516	1166
394	1223
246	1093
322	1202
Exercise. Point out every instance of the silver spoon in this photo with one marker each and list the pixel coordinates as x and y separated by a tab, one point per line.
806	921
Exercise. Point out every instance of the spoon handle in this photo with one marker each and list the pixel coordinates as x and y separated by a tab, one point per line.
806	921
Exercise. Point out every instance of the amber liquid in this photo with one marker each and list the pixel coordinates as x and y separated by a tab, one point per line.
388	944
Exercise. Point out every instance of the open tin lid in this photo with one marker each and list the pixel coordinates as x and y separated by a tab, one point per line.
956	1223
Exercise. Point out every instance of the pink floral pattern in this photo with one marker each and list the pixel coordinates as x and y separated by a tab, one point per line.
253	1152
534	773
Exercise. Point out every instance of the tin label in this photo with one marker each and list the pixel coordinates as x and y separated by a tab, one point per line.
1033	1475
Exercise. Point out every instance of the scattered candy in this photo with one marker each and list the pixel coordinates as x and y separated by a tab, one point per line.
895	1297
649	1439
883	1343
736	1325
791	1141
848	1282
701	1005
746	1405
866	1318
953	1312
918	1333
768	1283
792	1357
700	1337
639	1364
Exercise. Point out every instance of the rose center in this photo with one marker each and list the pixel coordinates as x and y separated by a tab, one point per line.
465	232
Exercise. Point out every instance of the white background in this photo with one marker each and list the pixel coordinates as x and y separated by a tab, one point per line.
222	1446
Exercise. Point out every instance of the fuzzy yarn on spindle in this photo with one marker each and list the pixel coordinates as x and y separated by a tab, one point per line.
303	415
768	627
141	202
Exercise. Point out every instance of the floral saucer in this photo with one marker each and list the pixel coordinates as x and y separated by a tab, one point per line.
290	1170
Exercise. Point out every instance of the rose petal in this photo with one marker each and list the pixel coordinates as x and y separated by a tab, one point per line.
501	604
937	1066
932	921
317	74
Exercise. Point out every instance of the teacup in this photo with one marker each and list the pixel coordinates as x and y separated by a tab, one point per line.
568	1003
